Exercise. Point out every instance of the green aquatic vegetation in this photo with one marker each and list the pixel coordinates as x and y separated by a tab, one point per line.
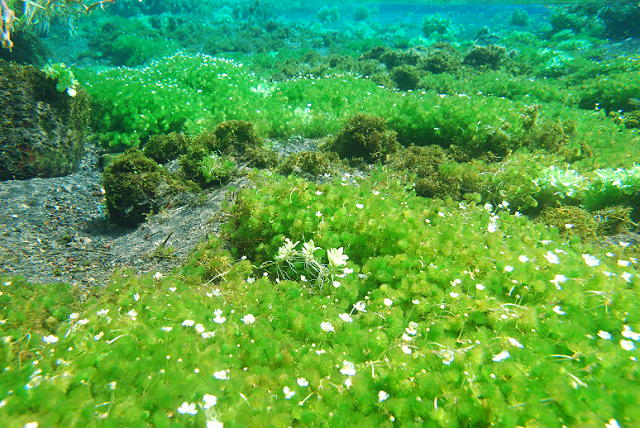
438	313
406	77
571	221
136	186
166	147
365	137
64	77
311	164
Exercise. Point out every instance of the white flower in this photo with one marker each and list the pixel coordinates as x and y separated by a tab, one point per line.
492	227
515	342
308	248
336	257
557	280
346	317
209	401
83	321
508	268
558	310
552	258
415	301
251	280
188	409
71	92
74	316
347	271
387	302
221	375
288	393
199	328
630	334
612	424
286	251
359	306
382	396
214	424
627	345
359	206
248	319
132	314
219	319
480	287
604	335
336	284
30	425
412	329
157	275
626	276
501	356
406	349
447	357
590	260
348	368
302	382
166	329
98	336
624	263
454	295
318	214
136	297
50	339
188	323
348	383
327	326
523	258
102	312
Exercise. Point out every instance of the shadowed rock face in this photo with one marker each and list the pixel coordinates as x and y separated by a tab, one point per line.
41	130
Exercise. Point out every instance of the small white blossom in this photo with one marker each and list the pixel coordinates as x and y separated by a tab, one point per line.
336	284
327	327
221	375
626	276
166	329
136	297
360	306
590	260
288	393
480	287
157	276
346	317
454	295
286	251
251	280
308	248
387	302
558	310
515	342
348	368
248	319
302	382
219	319
188	323
508	268
501	356
132	314
406	349
523	258
630	334
492	227
557	280
50	339
552	258
212	423
74	316
188	409
604	335
336	257
612	424
627	345
209	401
382	395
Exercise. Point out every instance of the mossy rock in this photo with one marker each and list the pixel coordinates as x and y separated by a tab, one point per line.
41	130
571	221
440	60
310	164
613	220
406	77
234	137
166	147
490	56
365	137
632	119
260	157
136	186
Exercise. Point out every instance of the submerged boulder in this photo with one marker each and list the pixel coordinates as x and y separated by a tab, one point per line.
41	129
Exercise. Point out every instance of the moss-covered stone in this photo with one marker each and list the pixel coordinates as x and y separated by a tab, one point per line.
167	147
490	56
260	157
136	186
365	137
234	137
310	164
571	221
613	220
406	77
632	119
41	130
441	58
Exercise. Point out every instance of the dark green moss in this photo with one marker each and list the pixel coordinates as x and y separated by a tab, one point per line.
167	147
260	157
136	186
310	164
234	137
406	77
613	220
490	56
366	137
632	119
440	58
571	221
